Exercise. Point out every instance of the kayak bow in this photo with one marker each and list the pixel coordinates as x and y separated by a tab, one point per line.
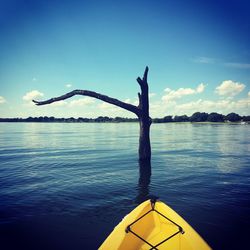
153	225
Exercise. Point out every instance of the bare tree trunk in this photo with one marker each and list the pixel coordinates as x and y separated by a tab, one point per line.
142	111
144	119
144	140
144	181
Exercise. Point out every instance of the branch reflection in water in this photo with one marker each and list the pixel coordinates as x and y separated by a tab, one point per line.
144	181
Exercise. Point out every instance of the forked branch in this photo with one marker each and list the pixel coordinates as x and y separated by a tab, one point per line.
143	97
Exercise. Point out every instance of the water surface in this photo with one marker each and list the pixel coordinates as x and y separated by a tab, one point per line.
65	186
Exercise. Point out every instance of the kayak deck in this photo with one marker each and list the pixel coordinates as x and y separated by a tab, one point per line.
153	225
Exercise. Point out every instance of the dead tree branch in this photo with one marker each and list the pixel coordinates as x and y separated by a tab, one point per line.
93	94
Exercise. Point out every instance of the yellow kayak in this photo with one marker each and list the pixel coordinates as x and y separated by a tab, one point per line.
153	225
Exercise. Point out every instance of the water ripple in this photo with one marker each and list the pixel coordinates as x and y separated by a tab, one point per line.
83	178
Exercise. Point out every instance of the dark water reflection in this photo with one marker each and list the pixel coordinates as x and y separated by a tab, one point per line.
66	186
144	181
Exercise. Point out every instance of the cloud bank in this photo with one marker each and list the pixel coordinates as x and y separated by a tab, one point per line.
229	88
29	96
172	95
2	100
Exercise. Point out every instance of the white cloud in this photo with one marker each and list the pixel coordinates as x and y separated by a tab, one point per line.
136	102
200	88
209	60
150	95
238	65
202	105
172	95
243	103
167	90
157	109
224	106
59	104
81	102
29	96
229	88
2	100
68	85
176	94
128	101
107	109
105	105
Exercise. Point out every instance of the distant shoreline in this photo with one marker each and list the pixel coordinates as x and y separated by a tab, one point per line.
197	117
202	123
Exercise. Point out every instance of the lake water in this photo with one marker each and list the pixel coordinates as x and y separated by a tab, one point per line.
66	186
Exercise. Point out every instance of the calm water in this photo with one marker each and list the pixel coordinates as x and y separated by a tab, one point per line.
65	186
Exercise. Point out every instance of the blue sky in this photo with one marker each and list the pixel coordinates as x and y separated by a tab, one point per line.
198	53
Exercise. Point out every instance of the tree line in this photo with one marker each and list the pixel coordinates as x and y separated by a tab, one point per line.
69	120
204	117
196	117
